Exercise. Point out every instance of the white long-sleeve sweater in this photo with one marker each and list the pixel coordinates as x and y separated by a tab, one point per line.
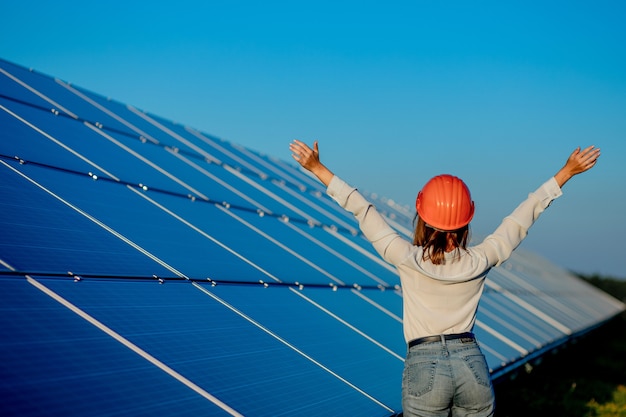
442	299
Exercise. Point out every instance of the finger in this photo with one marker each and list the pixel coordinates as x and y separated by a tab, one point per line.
295	155
295	144
588	148
591	160
296	147
296	150
301	146
591	154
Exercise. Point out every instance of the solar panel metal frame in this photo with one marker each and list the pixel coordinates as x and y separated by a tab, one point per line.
224	281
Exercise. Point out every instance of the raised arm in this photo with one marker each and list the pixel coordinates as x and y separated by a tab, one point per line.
514	228
579	161
310	160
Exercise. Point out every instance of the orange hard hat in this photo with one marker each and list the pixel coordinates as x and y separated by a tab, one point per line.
445	203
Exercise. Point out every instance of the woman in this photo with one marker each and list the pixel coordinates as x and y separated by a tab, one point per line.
445	373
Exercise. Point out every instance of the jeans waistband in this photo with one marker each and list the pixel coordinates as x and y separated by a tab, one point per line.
442	338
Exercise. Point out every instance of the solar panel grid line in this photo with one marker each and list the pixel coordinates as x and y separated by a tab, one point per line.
223	183
318	208
290	208
519	321
242	165
55	363
57	238
598	310
526	330
533	296
123	182
96	124
310	183
339	255
377	305
349	325
110	113
210	352
361	250
270	194
296	349
304	180
576	297
507	324
188	222
281	176
232	171
554	302
503	360
497	353
162	279
143	134
538	301
96	221
32	105
75	117
318	195
34	91
529	306
607	301
540	314
284	247
225	151
170	132
146	161
5	265
573	322
283	171
480	324
322	199
207	236
56	141
261	209
22	161
147	356
523	318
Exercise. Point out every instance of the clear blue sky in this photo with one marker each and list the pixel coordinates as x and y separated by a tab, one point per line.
498	93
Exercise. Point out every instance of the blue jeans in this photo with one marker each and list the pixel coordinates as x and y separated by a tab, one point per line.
447	378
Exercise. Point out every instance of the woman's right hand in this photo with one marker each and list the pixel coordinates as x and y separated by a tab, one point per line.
310	160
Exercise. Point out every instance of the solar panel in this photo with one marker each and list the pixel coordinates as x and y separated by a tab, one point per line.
148	268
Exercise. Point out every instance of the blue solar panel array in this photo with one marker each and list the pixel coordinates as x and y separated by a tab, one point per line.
147	268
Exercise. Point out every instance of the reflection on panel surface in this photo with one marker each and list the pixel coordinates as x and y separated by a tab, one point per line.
148	268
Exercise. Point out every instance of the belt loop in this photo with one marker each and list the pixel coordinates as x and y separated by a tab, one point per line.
443	339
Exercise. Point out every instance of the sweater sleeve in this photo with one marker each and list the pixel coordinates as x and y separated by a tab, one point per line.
386	240
514	228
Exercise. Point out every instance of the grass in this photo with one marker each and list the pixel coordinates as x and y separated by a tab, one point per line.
584	379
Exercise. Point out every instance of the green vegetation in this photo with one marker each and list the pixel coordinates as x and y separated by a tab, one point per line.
617	407
585	379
